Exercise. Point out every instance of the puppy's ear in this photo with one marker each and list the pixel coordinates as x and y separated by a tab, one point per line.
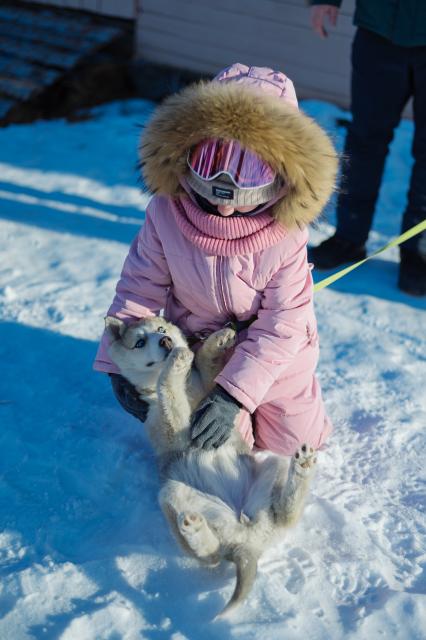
114	327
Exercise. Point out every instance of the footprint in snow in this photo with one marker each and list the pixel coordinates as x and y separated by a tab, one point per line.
54	314
355	586
300	568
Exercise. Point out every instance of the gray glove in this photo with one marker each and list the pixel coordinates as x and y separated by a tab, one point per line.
213	421
128	397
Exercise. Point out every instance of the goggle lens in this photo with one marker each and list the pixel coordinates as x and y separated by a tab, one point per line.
211	158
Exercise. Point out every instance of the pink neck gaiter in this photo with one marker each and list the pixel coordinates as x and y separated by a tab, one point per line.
222	236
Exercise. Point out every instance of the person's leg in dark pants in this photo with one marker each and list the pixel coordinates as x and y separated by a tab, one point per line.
381	86
412	275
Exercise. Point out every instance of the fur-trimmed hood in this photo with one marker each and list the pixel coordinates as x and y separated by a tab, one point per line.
291	142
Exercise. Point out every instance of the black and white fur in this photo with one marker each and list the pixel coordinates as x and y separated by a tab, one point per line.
223	503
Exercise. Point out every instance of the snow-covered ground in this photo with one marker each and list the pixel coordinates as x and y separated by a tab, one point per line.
84	551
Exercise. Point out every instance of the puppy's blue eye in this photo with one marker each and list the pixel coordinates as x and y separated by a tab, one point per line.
140	343
161	330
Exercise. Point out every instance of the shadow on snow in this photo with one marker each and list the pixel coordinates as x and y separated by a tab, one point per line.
61	212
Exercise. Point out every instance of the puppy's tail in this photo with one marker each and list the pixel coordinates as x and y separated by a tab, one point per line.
246	563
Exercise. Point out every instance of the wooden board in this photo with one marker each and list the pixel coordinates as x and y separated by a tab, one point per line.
38	45
118	8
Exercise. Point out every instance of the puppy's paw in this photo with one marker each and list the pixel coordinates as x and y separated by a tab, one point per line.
198	535
224	338
190	522
180	359
304	460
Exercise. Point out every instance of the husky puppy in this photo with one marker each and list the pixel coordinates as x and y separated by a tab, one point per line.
224	503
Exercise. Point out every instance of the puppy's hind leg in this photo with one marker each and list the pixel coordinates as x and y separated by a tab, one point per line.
198	535
189	528
171	517
288	500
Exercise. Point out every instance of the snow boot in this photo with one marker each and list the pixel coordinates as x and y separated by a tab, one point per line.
412	273
335	252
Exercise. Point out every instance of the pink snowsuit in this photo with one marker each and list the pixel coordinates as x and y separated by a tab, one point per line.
204	271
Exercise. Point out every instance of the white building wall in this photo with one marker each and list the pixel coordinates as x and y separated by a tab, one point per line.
206	35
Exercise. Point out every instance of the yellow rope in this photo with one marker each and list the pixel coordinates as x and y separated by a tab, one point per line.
418	228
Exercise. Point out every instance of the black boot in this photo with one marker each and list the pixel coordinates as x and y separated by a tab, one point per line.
336	251
412	273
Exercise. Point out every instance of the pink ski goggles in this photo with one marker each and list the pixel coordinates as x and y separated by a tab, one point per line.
212	157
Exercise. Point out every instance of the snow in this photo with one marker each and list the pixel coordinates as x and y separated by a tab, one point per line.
84	551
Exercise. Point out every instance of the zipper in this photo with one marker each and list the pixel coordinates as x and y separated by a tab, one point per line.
221	288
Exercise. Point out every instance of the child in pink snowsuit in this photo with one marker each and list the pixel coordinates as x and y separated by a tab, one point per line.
238	172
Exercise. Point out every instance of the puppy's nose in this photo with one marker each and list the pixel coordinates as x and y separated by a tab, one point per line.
167	343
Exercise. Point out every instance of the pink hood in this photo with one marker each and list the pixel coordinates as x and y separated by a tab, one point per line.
257	107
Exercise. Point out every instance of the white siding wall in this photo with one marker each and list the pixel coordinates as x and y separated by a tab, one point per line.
206	35
118	8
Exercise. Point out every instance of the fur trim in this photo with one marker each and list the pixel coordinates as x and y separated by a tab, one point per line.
291	142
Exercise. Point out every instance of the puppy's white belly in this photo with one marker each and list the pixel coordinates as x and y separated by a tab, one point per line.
223	474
